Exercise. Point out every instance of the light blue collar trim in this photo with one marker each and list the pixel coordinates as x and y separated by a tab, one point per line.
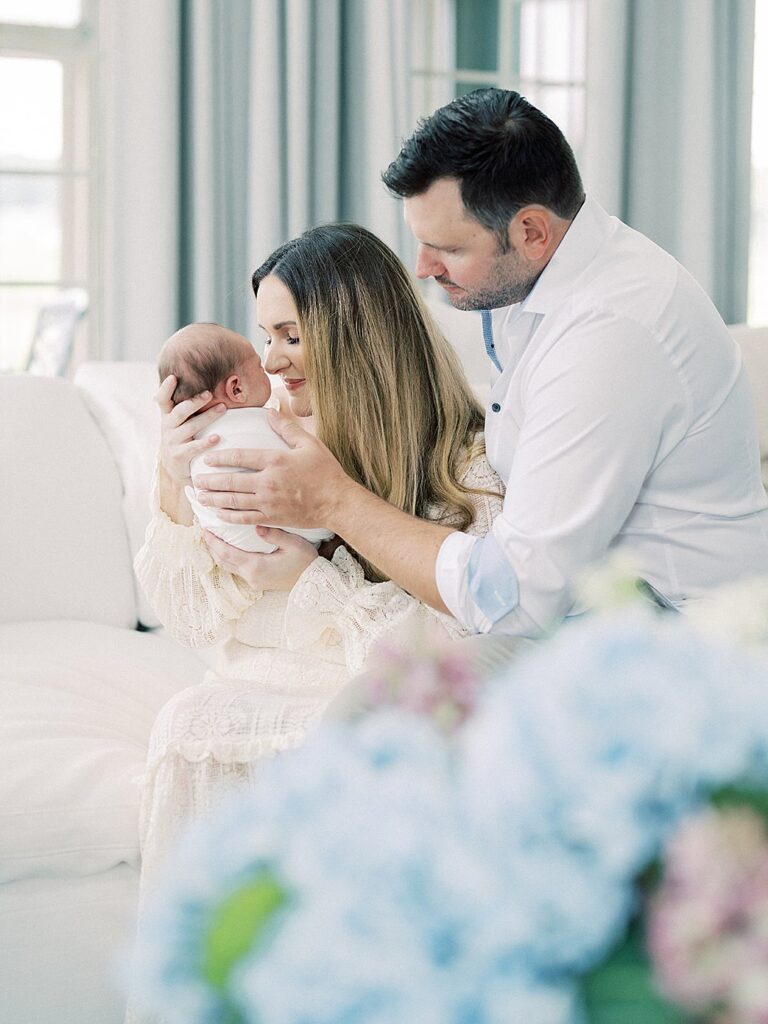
490	348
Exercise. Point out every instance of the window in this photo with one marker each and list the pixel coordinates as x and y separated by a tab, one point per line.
46	166
537	47
758	254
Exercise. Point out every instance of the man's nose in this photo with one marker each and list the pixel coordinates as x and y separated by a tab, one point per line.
426	263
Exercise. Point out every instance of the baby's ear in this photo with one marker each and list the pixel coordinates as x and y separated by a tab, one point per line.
233	387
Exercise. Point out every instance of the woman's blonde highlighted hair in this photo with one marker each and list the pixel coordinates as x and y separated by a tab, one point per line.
388	392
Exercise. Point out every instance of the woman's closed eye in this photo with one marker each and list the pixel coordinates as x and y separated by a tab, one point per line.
289	338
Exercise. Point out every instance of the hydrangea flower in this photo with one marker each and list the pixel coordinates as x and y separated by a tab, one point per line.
423	672
708	922
467	882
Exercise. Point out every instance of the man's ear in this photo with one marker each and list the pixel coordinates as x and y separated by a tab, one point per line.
233	388
531	232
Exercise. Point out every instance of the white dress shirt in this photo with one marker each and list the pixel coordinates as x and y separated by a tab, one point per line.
621	418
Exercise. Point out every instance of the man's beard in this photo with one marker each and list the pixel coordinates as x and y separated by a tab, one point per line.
506	285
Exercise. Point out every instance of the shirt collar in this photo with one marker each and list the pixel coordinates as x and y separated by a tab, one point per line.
589	229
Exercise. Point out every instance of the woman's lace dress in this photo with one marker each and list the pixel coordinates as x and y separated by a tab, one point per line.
282	658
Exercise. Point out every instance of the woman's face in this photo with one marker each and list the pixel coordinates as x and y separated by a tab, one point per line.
277	317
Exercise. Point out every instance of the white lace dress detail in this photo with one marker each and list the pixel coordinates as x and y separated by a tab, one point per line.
336	595
281	660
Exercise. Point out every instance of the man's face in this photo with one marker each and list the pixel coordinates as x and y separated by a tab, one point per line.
464	257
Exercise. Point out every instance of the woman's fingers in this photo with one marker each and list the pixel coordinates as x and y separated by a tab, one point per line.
164	394
182	412
231	558
193	424
193	448
280	538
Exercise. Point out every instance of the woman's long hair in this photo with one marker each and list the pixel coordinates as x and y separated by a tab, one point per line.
388	392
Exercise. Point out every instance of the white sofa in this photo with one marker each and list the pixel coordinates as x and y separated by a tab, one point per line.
80	685
79	690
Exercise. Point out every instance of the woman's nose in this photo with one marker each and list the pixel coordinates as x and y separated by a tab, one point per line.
274	360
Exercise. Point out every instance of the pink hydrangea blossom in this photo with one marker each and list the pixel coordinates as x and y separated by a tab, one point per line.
425	673
707	925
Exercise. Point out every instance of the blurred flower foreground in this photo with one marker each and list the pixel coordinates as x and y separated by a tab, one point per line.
490	872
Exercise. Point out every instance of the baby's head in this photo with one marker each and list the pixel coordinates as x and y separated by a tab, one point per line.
209	357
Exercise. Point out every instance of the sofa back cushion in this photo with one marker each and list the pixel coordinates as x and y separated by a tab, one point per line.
63	547
119	397
753	342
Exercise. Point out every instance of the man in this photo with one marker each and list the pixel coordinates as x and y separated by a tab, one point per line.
619	419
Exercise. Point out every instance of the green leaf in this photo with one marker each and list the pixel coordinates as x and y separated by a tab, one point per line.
238	924
621	991
747	795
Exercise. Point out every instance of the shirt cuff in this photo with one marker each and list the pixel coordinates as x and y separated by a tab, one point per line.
476	581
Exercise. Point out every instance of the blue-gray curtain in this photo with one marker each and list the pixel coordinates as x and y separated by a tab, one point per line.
669	106
214	148
290	110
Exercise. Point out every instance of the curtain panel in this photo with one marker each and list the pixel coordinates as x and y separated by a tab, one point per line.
669	104
290	110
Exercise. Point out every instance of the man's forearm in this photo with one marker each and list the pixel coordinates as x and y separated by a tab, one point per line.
401	546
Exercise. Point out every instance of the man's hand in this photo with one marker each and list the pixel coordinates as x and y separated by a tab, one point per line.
307	487
277	570
303	487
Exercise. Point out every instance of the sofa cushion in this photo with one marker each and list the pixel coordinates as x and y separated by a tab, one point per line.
78	702
119	396
63	548
753	342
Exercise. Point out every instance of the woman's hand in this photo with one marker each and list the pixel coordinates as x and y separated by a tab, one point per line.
178	426
277	570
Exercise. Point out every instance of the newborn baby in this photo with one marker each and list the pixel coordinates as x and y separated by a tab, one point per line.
208	357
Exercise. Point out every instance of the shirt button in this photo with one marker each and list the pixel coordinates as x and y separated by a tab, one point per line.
496	407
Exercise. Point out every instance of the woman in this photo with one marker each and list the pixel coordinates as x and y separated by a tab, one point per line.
357	351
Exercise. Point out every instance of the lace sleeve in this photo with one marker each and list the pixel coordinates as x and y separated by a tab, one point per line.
197	601
335	595
488	496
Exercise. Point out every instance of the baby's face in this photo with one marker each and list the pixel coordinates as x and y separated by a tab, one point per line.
255	381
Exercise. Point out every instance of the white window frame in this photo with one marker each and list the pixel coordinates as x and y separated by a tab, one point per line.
76	49
435	76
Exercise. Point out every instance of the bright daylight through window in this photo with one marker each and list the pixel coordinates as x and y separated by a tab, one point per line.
47	260
535	46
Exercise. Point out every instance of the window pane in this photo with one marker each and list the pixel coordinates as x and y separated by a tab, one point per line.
565	105
63	13
30	228
19	310
477	33
552	40
31	110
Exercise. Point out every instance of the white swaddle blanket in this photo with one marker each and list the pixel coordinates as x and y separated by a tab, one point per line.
241	428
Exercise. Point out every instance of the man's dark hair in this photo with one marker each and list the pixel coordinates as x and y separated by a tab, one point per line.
504	152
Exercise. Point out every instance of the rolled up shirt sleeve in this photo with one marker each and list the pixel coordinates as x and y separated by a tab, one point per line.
600	410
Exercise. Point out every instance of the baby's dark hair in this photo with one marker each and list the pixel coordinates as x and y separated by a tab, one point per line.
200	356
